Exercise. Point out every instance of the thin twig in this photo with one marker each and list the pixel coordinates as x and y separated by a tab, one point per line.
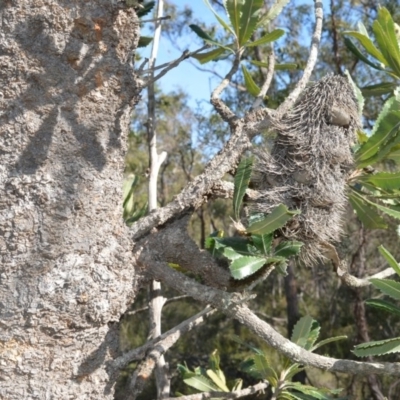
312	59
164	341
155	19
353	281
264	89
223	395
168	301
223	110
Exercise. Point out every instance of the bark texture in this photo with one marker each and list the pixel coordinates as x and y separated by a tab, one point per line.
66	92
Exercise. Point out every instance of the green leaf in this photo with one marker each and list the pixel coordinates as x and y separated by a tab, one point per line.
288	249
385	34
273	12
377	348
263	243
388	287
368	46
366	213
278	67
207	38
241	183
383	305
144	41
352	47
245	266
389	211
301	330
249	17
390	259
145	9
251	86
326	341
238	385
384	129
263	370
201	383
209	55
281	268
217	380
237	243
220	20
357	92
275	220
383	180
269	37
379	89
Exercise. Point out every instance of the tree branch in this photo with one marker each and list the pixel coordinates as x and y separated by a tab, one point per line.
268	79
312	59
231	304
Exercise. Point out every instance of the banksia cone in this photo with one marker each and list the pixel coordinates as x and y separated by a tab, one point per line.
309	163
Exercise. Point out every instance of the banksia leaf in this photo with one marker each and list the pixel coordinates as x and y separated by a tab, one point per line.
241	183
244	266
275	220
377	348
390	259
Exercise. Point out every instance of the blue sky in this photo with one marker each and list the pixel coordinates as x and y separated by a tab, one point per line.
197	83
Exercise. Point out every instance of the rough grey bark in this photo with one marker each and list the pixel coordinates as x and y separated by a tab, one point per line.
67	90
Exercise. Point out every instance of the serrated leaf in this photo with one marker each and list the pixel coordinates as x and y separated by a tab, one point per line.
377	348
368	46
273	12
241	183
288	249
313	335
306	390
217	380
326	341
301	330
263	243
214	361
145	9
238	385
383	180
251	86
366	213
219	19
378	89
245	266
353	48
390	259
209	55
388	287
383	305
269	37
293	370
275	220
281	268
262	368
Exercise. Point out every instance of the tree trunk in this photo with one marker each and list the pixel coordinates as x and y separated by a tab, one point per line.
66	93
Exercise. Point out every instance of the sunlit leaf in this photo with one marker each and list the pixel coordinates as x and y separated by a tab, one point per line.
383	180
249	17
251	86
388	287
302	330
390	259
220	20
378	89
327	341
245	266
207	38
288	249
216	378
275	220
353	48
201	383
277	67
368	46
